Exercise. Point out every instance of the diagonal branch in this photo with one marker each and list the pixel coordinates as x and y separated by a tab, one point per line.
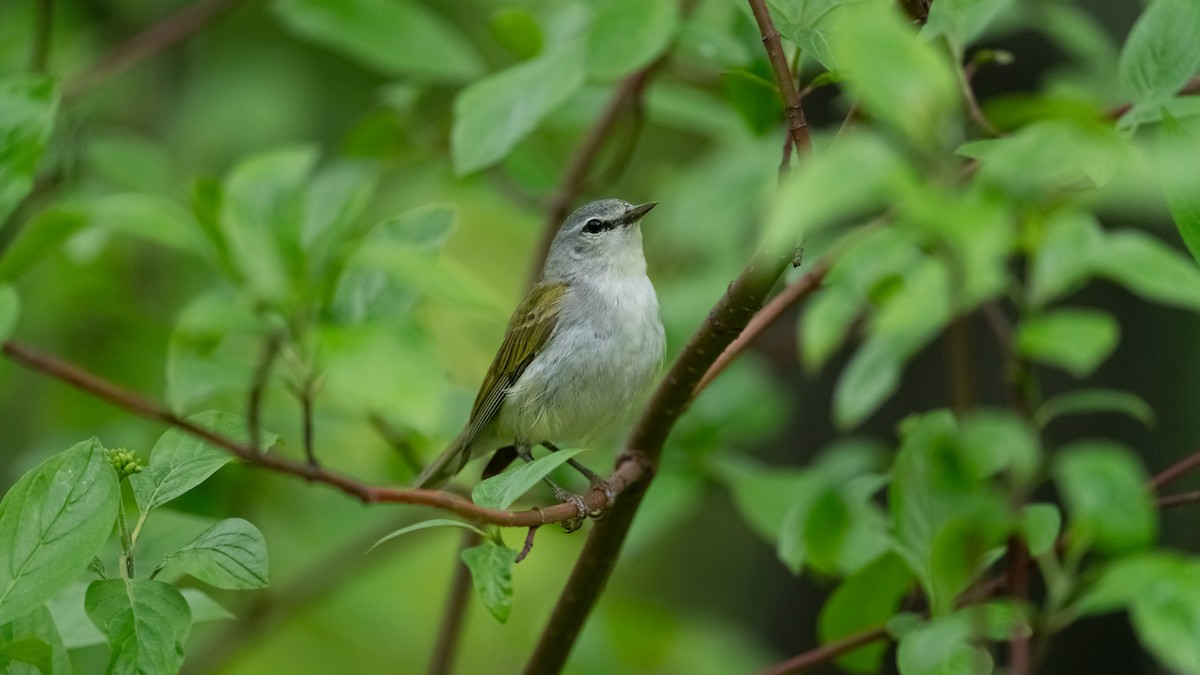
792	109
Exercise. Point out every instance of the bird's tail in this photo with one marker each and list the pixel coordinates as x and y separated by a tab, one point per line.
445	465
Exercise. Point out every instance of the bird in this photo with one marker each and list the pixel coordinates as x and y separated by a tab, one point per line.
581	349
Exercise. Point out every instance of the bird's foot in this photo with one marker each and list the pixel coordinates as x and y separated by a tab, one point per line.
610	498
581	510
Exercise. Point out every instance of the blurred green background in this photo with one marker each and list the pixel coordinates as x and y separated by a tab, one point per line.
370	85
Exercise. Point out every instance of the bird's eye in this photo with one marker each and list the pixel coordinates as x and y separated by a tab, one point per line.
593	226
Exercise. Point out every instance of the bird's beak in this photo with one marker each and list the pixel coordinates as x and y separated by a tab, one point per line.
635	213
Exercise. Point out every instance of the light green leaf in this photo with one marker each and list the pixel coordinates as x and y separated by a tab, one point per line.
1148	268
1177	155
44	232
10	309
996	440
962	21
827	319
1161	52
34	641
493	114
146	622
1075	340
52	522
517	30
868	380
1048	156
628	34
231	554
901	81
28	105
1108	504
864	600
500	491
491	572
25	650
394	37
181	461
763	496
202	357
151	217
1041	524
1064	258
426	524
1090	401
942	647
203	607
811	25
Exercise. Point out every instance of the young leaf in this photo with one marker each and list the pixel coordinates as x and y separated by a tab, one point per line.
628	34
145	621
28	105
1148	268
394	37
943	646
1063	259
499	492
864	600
1095	400
1178	150
1104	487
493	114
52	522
1041	524
180	461
426	524
231	554
45	231
10	307
1073	339
491	571
1161	52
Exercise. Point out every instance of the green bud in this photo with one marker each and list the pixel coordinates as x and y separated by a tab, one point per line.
123	461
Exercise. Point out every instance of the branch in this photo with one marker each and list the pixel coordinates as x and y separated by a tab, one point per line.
154	39
627	474
825	653
783	76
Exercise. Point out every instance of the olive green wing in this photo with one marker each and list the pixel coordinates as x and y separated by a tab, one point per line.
528	331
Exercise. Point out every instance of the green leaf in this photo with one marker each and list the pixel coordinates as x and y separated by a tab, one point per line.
28	105
1161	52
811	24
994	441
1162	592
628	34
493	114
202	359
1090	401
962	21
203	607
866	599
44	232
1041	524
942	647
33	639
146	622
1148	268
426	524
181	461
1047	157
151	217
1108	504
394	37
231	554
1075	340
500	491
763	496
901	81
1065	256
517	30
52	522
491	572
10	309
1177	154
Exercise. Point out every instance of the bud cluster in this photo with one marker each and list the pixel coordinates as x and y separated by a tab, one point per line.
123	461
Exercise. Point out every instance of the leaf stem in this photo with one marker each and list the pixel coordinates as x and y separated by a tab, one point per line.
125	566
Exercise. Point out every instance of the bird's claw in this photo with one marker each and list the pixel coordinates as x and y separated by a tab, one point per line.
581	511
610	498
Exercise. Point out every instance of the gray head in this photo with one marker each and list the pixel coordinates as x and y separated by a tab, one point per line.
599	237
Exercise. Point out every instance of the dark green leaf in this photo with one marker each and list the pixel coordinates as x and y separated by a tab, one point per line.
395	37
904	82
493	114
146	622
1108	504
1064	258
52	522
231	554
1177	155
811	25
181	461
1148	268
1041	524
30	651
864	600
10	309
500	491
28	105
764	496
33	639
1075	340
1090	401
424	525
628	34
1161	52
491	571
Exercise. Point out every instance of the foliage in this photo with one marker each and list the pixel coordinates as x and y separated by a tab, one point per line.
330	245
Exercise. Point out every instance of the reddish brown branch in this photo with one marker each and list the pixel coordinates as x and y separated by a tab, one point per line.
1017	576
792	109
826	652
1181	499
143	407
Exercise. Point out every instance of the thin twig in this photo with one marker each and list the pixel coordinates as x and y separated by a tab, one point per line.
625	475
456	609
262	375
154	39
1175	471
792	109
824	653
43	31
1017	576
528	544
1181	499
306	423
